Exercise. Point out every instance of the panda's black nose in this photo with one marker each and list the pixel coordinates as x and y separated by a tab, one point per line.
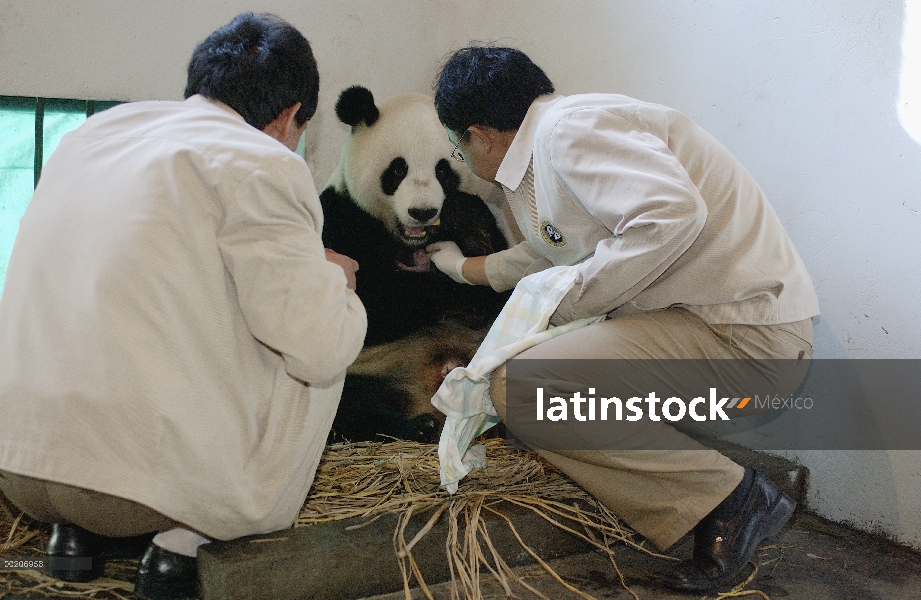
422	215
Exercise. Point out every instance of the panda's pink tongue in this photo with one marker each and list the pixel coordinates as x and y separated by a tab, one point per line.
421	262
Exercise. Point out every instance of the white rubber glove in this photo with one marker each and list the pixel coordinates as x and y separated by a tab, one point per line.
449	259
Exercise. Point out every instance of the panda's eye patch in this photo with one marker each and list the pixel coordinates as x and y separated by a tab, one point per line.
446	176
394	175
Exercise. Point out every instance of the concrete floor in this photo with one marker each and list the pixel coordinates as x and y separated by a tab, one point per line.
812	560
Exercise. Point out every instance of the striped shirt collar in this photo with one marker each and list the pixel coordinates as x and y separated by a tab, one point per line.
518	157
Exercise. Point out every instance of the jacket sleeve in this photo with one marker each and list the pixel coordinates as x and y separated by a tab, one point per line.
505	268
293	299
630	181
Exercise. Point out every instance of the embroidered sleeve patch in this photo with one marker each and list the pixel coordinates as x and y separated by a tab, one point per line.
551	234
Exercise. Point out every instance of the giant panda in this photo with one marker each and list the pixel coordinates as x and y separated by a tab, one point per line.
394	192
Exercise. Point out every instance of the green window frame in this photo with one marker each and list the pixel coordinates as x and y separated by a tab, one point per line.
30	130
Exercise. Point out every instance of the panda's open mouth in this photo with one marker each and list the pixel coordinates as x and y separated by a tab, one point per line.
414	232
418	233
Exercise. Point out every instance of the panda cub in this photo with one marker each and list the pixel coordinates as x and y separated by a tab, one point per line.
393	193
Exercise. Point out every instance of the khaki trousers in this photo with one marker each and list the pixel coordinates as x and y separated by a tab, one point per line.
662	494
107	515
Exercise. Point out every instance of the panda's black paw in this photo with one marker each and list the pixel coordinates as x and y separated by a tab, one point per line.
424	428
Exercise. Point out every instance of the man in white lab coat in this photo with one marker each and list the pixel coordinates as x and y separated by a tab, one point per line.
173	335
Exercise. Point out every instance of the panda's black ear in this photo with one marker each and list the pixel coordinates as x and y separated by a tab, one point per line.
356	105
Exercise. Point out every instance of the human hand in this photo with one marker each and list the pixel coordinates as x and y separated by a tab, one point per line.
349	266
449	259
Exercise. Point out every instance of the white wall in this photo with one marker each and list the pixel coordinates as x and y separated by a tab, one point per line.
806	94
118	50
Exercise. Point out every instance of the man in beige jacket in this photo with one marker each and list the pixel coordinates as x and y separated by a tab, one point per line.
173	335
677	246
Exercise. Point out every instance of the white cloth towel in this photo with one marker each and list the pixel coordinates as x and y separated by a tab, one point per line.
464	395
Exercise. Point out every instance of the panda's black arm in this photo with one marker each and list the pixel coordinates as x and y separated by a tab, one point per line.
349	230
467	221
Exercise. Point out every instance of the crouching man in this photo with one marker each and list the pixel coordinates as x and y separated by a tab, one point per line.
678	247
173	336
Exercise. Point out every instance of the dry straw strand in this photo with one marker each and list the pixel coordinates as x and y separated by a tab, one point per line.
740	591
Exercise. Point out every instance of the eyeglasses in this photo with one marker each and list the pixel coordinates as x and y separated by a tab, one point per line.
455	154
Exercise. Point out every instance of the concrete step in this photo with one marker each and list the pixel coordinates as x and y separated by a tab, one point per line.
351	559
336	560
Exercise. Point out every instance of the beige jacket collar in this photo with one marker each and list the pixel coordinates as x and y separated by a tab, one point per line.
200	101
515	164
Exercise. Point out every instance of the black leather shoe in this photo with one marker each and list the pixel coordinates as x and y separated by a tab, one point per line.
165	575
723	546
70	541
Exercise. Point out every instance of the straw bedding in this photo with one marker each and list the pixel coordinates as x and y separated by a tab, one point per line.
367	480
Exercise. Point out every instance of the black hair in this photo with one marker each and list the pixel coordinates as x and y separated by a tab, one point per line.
485	85
258	65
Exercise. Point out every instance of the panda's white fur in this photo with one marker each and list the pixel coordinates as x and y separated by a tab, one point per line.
407	122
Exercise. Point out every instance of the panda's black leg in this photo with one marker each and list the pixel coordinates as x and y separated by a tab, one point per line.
365	412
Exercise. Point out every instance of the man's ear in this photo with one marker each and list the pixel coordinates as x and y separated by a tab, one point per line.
284	127
485	133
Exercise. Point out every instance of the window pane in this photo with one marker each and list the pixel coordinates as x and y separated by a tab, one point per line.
17	162
17	154
301	144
